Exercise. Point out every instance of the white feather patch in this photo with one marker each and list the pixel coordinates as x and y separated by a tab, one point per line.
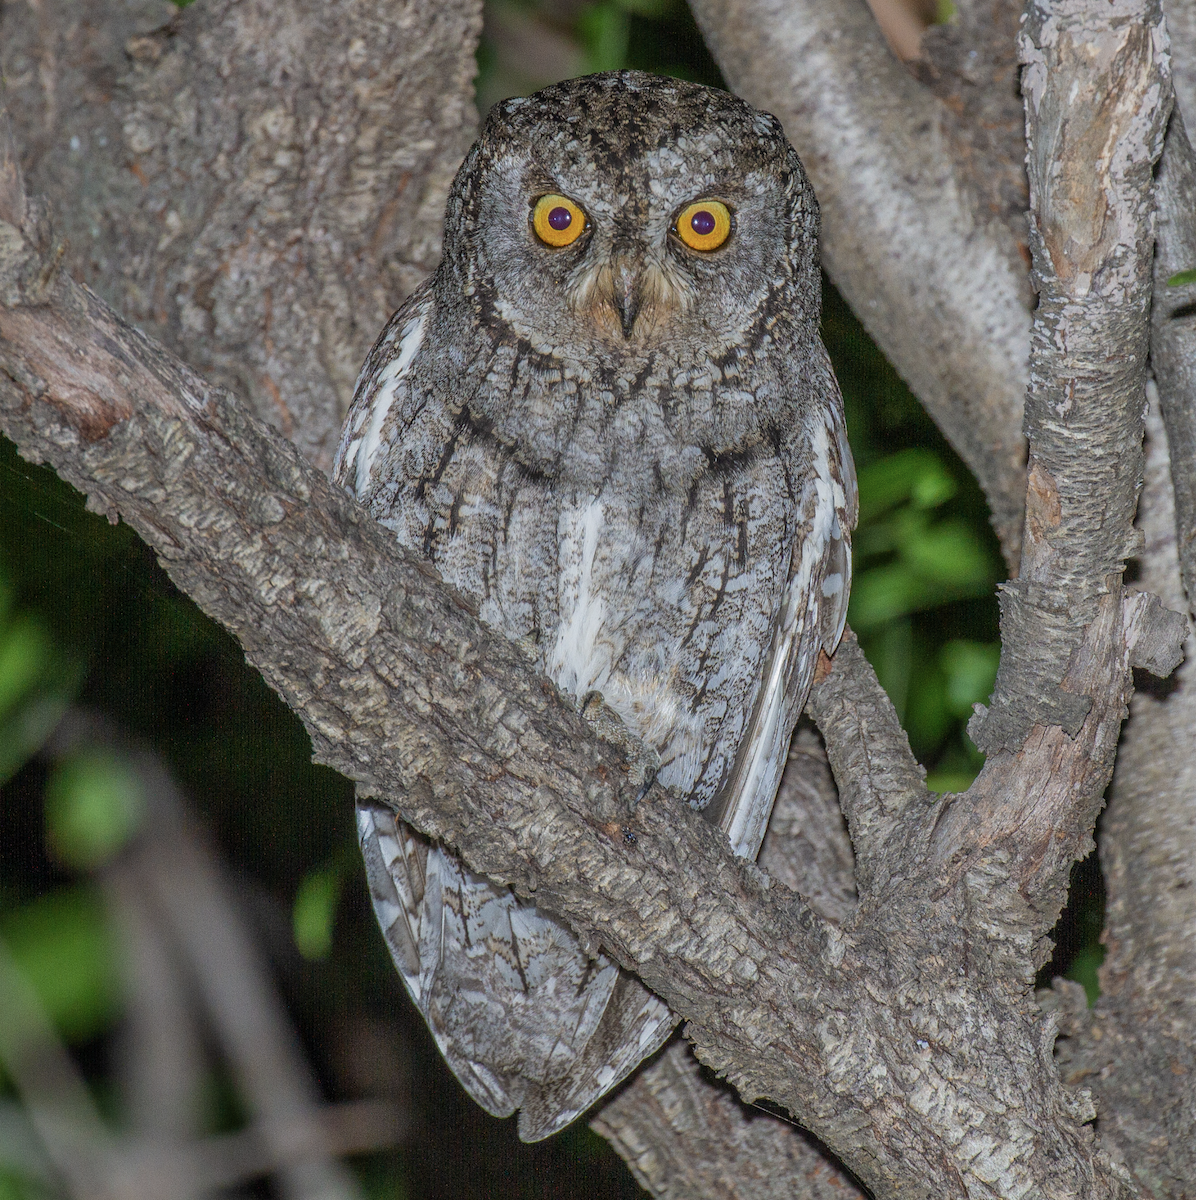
365	449
579	661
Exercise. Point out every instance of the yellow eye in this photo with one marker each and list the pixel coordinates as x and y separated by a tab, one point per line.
557	220
704	225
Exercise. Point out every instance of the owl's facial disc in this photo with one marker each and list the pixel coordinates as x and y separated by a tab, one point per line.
624	263
627	218
627	291
621	277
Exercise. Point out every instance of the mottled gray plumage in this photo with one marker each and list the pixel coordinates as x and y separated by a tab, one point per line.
632	454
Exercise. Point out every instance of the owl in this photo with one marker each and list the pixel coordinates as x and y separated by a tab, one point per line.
609	418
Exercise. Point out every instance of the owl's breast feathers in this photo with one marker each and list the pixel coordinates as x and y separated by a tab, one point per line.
693	588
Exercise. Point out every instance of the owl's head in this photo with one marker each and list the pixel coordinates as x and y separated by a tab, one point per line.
632	213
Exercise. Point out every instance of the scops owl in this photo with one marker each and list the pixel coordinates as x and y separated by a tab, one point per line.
609	418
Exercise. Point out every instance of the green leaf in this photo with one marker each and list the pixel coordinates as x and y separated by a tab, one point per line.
890	650
1182	278
916	476
25	652
894	590
94	804
315	910
14	1186
927	718
948	554
604	30
1084	969
64	946
971	670
886	593
37	682
958	780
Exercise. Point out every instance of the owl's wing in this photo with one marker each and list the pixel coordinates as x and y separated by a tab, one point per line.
811	617
523	1018
382	382
635	1025
409	914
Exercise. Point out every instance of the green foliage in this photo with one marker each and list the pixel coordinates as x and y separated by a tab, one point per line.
1182	278
62	944
15	1186
1083	970
94	805
314	910
37	682
604	30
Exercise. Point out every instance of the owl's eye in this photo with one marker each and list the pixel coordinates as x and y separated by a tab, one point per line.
557	220
704	225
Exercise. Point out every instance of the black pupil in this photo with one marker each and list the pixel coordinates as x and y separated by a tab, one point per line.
560	219
702	223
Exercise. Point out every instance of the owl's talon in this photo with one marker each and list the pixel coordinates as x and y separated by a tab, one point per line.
645	787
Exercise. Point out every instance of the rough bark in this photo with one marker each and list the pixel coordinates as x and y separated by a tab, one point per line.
1091	235
970	65
916	234
1136	1047
683	1135
1173	334
1181	25
257	185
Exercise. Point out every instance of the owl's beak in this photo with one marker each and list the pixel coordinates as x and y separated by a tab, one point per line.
626	278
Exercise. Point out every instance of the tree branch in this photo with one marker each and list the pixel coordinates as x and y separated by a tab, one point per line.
1173	334
870	754
1137	1048
900	1039
683	1134
1097	92
686	1138
1181	25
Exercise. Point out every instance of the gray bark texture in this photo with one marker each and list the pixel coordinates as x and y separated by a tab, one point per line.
256	186
1136	1046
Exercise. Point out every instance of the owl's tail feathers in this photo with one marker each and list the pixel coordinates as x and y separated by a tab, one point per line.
522	1016
635	1025
408	912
